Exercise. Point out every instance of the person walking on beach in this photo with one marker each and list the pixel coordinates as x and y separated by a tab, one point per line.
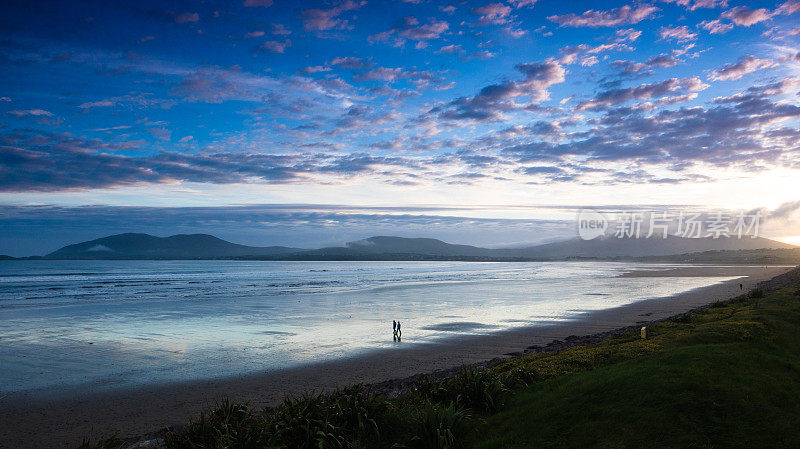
741	287
399	332
394	330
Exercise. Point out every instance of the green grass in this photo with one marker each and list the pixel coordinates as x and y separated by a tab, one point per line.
724	377
727	376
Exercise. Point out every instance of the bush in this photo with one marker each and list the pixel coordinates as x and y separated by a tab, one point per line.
757	293
476	389
441	427
111	443
337	420
521	377
228	426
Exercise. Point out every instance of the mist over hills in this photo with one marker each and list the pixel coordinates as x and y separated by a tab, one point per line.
145	246
204	246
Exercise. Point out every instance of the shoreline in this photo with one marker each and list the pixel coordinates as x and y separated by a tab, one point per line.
26	421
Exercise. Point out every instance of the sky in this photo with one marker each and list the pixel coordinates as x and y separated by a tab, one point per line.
314	123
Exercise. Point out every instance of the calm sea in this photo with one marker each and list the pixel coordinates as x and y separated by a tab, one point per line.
121	323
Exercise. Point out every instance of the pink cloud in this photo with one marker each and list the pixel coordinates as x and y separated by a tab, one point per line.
691	5
30	112
264	3
276	46
746	64
279	30
715	26
409	28
493	14
450	49
523	3
187	17
742	15
624	15
253	34
643	92
680	34
327	19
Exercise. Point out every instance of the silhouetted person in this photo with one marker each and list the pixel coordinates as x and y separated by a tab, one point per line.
741	287
394	330
399	332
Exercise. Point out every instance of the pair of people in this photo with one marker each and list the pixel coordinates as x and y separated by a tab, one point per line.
398	334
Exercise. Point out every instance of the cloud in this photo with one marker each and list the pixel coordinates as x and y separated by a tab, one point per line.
624	15
139	101
279	30
450	49
789	7
276	46
352	63
420	78
409	28
744	16
493	14
327	19
691	5
680	34
737	131
715	26
523	3
642	92
264	3
315	69
253	34
746	64
187	17
493	100
54	162
658	61
30	113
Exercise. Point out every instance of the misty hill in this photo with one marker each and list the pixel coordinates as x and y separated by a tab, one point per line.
612	247
383	245
182	246
202	246
5	257
780	256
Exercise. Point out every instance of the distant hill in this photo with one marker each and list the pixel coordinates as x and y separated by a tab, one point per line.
182	246
4	257
781	256
203	246
612	247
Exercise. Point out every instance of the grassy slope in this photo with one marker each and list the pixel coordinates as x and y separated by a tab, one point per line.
728	376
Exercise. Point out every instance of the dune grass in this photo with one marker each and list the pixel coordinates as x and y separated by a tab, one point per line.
726	376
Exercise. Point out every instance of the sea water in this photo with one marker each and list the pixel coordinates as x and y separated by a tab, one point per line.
113	324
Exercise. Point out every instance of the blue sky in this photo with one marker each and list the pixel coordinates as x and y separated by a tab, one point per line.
483	106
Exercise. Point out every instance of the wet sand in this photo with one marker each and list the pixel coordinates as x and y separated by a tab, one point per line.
27	421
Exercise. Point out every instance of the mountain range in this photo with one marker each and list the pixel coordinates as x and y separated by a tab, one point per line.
204	246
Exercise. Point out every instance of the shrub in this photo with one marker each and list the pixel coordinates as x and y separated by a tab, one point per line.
441	427
328	421
757	293
111	443
472	388
521	377
228	426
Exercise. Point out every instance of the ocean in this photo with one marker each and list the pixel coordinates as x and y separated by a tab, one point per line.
117	324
